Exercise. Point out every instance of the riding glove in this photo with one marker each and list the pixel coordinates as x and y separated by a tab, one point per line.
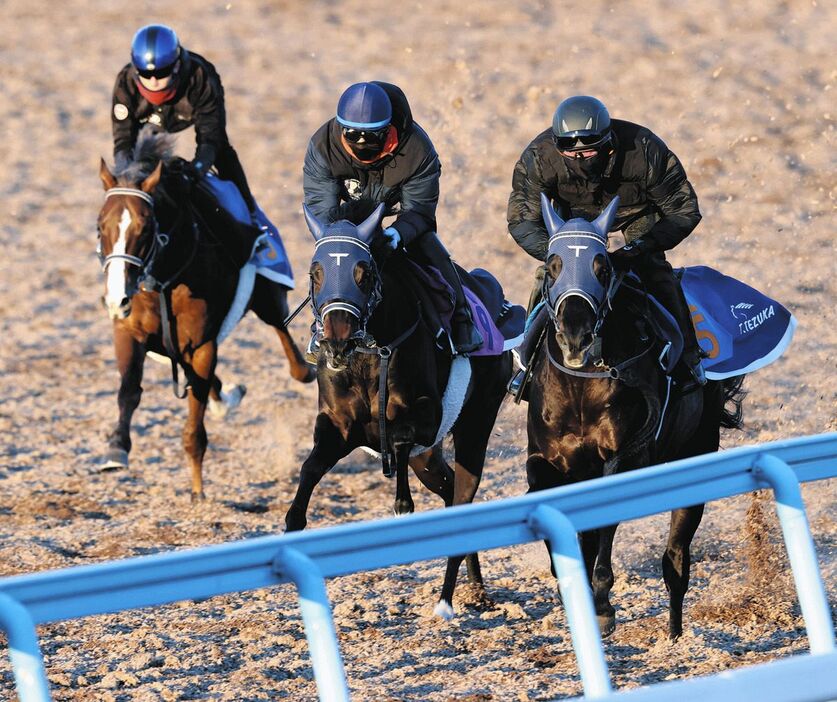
394	237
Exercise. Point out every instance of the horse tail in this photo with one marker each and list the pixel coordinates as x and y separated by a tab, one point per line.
734	394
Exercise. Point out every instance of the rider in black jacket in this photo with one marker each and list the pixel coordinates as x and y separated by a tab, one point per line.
374	150
172	89
582	162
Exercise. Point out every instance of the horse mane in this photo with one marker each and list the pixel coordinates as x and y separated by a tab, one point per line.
152	146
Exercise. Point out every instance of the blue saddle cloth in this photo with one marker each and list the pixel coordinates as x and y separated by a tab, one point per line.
271	259
741	329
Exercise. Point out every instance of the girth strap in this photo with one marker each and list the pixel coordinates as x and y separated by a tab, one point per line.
384	352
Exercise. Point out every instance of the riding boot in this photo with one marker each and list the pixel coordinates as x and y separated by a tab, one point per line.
466	338
517	386
661	282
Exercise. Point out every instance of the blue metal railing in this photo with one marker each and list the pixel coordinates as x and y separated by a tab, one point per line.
306	558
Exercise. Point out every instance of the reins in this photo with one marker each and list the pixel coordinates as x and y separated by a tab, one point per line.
384	353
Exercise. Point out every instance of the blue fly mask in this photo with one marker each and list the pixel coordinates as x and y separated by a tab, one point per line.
577	243
341	257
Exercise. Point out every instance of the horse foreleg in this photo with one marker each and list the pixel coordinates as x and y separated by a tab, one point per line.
329	447
602	579
676	562
403	497
130	356
194	432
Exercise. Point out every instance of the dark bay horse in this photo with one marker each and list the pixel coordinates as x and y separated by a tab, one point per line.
150	223
600	402
379	369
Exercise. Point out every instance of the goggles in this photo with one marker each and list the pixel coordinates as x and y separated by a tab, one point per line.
375	137
158	73
583	142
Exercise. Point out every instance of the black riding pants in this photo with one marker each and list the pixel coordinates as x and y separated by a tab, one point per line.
428	248
659	279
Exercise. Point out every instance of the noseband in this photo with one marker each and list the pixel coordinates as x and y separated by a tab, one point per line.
160	239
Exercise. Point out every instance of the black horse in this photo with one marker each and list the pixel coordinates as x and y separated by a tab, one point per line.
380	372
601	402
170	284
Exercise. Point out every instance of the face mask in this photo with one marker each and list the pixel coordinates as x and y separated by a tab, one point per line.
588	168
366	152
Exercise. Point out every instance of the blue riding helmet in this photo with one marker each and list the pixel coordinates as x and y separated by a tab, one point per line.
154	50
364	106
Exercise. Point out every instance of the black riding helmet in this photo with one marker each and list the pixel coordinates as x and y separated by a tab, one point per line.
581	122
581	131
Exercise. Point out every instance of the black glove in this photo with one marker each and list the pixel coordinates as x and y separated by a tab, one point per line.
630	251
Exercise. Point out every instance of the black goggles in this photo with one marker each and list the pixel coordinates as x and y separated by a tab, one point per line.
581	142
370	136
158	73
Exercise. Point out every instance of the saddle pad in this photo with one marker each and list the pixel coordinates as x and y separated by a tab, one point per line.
741	329
226	192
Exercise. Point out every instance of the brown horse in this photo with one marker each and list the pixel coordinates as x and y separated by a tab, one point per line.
600	402
152	222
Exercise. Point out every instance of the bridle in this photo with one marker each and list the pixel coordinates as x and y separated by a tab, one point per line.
362	315
160	239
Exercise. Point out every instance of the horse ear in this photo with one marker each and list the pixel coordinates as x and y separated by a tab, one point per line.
370	225
107	177
150	183
314	225
605	220
550	216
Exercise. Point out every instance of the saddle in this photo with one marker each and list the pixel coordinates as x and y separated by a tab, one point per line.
499	322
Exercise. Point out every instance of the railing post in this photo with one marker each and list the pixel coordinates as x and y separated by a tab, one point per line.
548	523
24	652
319	624
800	547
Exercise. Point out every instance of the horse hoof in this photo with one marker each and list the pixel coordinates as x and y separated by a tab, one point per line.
607	623
310	376
198	497
228	402
116	459
443	610
402	508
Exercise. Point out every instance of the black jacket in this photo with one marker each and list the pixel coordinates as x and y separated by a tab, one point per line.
657	202
407	180
199	100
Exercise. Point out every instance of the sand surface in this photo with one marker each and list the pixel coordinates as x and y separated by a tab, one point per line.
743	93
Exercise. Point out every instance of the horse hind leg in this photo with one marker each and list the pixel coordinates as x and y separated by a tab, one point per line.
270	303
676	562
222	403
130	357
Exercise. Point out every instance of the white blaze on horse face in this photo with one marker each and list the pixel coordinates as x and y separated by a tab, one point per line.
115	291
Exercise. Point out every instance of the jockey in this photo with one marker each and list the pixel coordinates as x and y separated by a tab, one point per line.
171	88
373	149
582	163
